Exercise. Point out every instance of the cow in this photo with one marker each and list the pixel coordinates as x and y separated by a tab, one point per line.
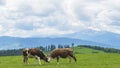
33	52
62	53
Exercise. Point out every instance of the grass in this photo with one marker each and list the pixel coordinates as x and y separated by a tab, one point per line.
86	58
83	50
83	61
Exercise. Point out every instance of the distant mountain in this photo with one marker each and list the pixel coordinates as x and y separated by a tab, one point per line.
16	42
106	38
112	39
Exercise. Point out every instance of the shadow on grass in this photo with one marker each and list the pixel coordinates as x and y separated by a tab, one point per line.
49	64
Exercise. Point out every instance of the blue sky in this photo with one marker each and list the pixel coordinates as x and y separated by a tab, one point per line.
58	18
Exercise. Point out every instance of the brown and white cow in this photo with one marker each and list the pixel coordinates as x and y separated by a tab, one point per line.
33	52
63	53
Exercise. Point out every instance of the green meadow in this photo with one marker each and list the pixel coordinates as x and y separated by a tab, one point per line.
86	58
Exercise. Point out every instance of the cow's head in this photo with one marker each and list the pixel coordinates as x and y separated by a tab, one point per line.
48	58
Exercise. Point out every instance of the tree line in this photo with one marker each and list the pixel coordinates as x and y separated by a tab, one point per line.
51	47
48	48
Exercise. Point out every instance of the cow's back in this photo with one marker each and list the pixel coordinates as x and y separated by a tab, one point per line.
36	52
61	52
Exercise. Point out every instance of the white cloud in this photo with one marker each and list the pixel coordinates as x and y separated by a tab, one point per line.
27	18
1	28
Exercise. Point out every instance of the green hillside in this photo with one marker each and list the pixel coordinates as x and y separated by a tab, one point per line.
84	50
78	49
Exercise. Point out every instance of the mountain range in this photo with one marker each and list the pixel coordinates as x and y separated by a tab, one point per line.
109	38
16	42
103	39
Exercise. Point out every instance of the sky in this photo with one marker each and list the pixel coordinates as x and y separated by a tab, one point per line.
58	18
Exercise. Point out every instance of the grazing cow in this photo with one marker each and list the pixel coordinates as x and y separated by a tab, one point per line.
33	52
63	53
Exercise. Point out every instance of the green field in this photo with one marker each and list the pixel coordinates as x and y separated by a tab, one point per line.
86	58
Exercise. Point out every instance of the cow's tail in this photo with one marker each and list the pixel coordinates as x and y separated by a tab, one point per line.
73	48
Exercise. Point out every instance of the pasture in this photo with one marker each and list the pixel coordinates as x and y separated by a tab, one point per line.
83	61
86	58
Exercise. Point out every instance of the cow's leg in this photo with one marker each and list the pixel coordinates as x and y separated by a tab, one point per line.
38	60
69	59
73	57
25	59
57	60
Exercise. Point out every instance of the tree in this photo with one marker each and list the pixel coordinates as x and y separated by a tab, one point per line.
52	47
66	46
60	46
72	44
